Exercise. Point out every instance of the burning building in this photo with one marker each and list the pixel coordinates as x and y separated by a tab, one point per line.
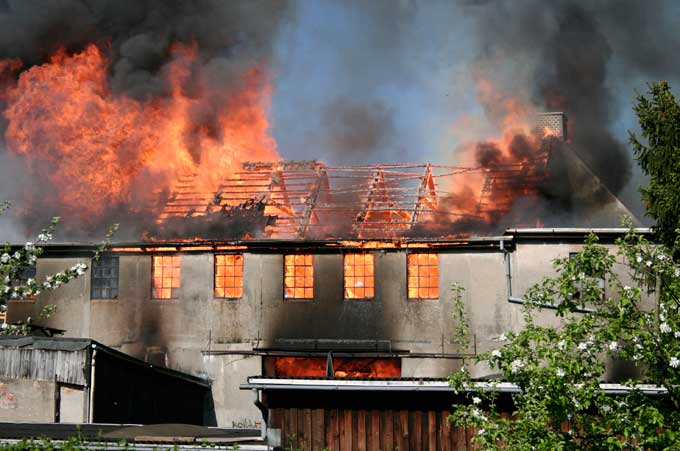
233	262
301	269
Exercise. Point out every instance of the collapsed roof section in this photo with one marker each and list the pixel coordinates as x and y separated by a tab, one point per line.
310	200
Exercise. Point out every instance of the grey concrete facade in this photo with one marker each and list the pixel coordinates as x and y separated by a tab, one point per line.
225	340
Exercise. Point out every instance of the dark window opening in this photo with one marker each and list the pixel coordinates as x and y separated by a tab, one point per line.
105	278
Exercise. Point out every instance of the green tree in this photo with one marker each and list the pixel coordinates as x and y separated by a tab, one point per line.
659	157
561	404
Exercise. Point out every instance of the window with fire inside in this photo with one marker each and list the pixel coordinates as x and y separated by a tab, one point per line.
423	276
166	276
359	280
298	276
229	276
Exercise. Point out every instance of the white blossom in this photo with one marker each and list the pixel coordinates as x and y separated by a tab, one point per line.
638	258
45	236
662	257
648	263
516	366
674	362
478	414
481	431
502	337
562	345
476	400
29	246
676	334
665	328
496	353
627	288
613	346
560	372
4	258
677	272
582	346
17	255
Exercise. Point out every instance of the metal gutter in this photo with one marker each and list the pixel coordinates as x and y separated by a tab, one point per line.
263	383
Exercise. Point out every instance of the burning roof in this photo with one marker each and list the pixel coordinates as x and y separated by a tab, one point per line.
310	200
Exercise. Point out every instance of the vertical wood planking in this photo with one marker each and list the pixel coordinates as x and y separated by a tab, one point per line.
346	430
293	436
307	429
373	431
318	430
459	438
361	430
333	430
284	426
415	431
387	431
432	430
403	430
445	432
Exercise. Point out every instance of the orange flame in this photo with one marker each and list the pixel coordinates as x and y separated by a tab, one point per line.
342	367
101	149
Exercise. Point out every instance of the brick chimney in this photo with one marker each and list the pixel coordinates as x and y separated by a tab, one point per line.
554	121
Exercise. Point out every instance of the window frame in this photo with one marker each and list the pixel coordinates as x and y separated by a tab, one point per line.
344	277
92	278
408	278
295	298
173	295
243	267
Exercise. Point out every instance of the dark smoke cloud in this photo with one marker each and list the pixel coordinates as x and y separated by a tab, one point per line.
572	56
140	33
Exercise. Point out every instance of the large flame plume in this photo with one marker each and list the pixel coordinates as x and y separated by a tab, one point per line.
102	151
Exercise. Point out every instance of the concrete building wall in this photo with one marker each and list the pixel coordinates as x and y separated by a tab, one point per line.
177	332
27	400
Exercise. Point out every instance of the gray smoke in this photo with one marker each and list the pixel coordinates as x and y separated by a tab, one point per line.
582	57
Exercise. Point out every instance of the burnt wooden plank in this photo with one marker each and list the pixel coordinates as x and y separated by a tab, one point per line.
431	430
387	431
402	439
346	430
361	431
415	431
373	434
318	430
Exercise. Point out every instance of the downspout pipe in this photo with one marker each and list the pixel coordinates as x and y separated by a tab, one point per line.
508	272
90	409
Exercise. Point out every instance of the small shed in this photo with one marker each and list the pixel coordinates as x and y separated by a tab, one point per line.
72	380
